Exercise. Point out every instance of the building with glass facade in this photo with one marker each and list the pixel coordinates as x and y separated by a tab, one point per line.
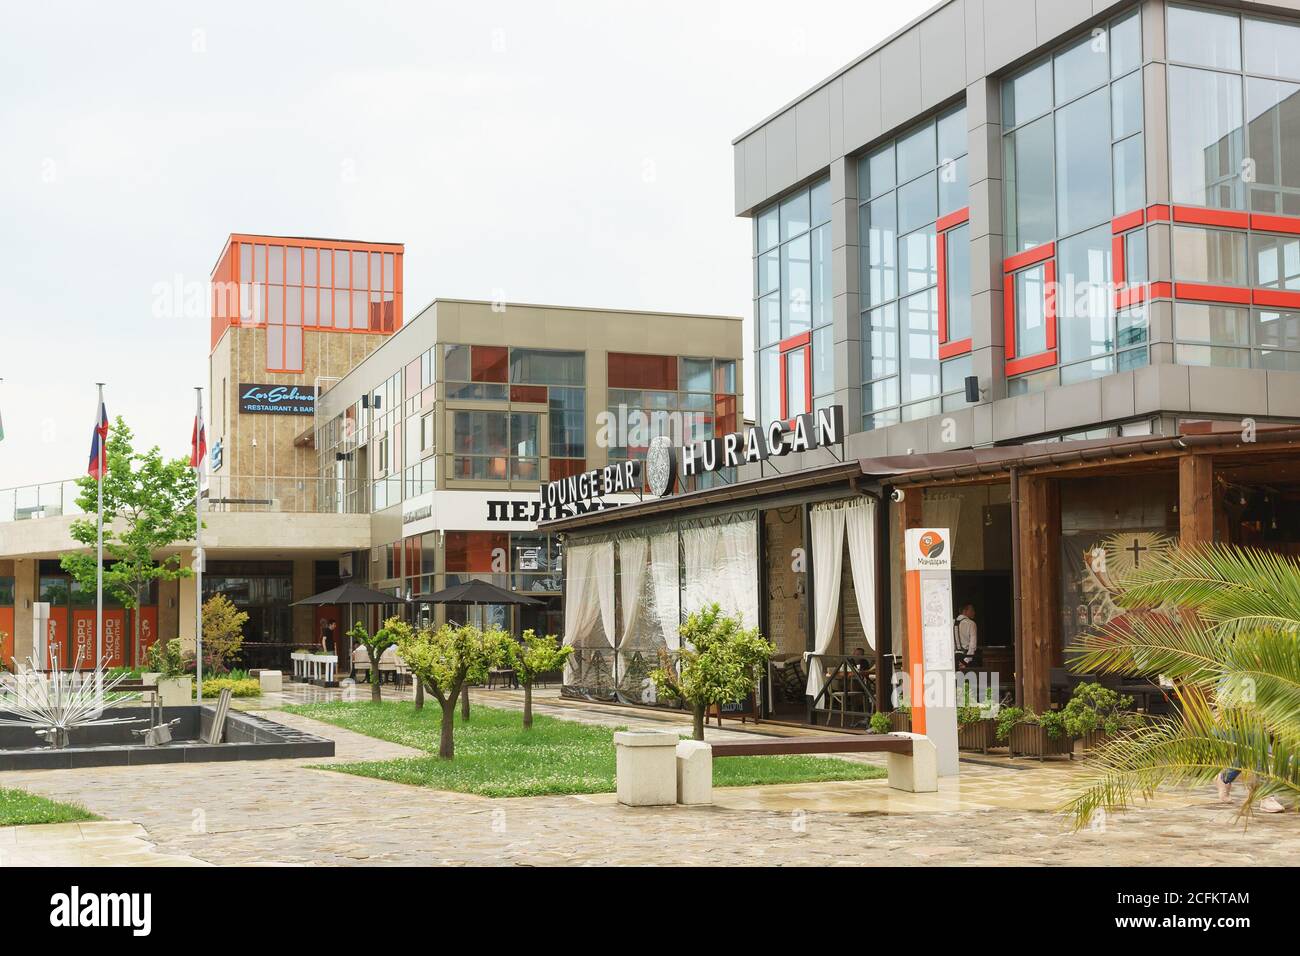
1045	256
408	456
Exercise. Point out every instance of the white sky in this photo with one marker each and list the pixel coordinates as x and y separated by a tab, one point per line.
565	153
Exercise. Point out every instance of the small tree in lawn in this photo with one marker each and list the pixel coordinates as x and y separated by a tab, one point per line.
719	663
531	656
223	632
448	658
376	644
148	506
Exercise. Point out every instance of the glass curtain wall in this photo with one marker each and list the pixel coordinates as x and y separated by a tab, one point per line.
905	187
1073	161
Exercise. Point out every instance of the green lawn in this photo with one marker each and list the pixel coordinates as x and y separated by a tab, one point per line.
496	757
18	807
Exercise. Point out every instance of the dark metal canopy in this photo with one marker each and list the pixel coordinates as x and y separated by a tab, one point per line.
351	593
476	592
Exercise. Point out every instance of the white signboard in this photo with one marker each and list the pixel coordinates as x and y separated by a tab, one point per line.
452	510
929	591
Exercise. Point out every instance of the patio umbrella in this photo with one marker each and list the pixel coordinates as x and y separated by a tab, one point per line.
351	593
477	593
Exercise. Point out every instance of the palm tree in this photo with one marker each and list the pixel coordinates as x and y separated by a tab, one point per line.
1223	624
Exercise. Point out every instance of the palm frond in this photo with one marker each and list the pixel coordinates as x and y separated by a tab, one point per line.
1190	748
1234	589
1145	643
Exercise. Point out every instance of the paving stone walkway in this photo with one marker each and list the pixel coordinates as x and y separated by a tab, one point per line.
283	812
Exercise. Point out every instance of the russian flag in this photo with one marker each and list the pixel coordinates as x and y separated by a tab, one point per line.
97	442
198	443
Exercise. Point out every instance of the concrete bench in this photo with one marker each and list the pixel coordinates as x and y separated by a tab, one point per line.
913	760
654	768
272	682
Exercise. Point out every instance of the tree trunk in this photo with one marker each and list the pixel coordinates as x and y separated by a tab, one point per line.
375	695
698	722
528	705
464	701
419	692
446	742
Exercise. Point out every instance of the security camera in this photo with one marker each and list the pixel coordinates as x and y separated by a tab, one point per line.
896	495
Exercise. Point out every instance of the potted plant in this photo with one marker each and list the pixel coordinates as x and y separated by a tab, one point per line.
1034	735
976	725
175	686
900	719
881	722
1095	713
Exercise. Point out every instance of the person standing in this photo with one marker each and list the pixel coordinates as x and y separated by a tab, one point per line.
966	636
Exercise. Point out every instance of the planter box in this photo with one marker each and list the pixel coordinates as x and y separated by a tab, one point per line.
175	691
980	735
1031	740
1094	739
900	723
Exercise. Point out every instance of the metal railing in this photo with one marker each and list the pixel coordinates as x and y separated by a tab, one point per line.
224	493
46	500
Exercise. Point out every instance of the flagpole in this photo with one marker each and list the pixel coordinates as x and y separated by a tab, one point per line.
198	544
99	537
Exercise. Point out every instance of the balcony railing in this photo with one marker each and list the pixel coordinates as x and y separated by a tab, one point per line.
224	494
47	500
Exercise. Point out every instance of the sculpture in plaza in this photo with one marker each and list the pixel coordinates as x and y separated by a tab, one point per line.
55	702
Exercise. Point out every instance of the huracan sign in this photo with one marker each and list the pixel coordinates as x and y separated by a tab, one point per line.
277	399
665	465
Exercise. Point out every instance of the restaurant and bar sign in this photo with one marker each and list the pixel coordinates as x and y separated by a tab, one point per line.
665	465
277	399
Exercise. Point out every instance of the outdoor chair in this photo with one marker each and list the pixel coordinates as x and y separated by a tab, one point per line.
360	664
388	665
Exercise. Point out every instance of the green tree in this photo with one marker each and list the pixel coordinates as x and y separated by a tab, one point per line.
148	507
1223	624
393	631
718	664
448	658
223	632
531	656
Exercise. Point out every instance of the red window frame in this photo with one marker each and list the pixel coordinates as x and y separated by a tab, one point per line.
945	224
793	343
1127	295
1045	256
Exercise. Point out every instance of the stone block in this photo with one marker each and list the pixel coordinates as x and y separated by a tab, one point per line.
646	767
694	772
919	772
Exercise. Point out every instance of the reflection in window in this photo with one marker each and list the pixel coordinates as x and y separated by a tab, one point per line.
904	187
792	281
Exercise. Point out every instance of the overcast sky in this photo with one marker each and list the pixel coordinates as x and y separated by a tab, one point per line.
565	153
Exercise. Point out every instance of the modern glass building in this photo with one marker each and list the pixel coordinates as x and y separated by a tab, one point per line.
1046	259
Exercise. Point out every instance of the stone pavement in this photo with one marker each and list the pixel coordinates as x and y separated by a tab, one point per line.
282	812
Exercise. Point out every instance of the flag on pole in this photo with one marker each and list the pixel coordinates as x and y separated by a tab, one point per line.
198	442
97	452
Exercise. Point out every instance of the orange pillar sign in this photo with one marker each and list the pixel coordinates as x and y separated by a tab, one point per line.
930	646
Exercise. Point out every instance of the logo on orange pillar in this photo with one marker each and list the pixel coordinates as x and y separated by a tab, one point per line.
930	545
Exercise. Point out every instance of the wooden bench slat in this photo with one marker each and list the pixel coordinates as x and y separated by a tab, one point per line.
812	745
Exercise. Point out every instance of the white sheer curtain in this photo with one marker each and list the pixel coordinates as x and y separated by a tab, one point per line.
860	525
827	561
589	596
666	581
722	566
632	572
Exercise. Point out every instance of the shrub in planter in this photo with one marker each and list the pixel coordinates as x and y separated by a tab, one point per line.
976	727
239	687
881	723
1034	735
900	721
1095	713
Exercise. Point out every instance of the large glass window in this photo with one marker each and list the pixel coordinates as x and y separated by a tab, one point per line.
1234	114
792	292
1074	160
1072	141
905	189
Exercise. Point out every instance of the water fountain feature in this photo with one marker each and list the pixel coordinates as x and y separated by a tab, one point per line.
91	718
